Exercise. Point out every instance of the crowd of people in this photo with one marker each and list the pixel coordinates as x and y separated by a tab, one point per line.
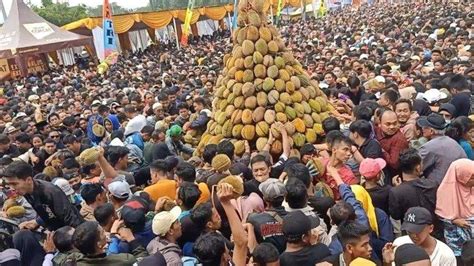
103	169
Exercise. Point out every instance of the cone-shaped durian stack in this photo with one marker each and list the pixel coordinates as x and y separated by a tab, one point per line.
261	84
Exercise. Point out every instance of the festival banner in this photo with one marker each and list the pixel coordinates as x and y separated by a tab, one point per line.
110	48
187	23
9	68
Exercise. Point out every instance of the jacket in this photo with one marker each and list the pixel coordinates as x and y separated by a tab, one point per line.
201	121
170	251
383	221
176	147
52	206
122	259
87	212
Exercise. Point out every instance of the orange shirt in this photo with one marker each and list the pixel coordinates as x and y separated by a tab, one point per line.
162	188
205	193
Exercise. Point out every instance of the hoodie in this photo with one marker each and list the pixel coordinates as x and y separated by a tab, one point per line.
170	251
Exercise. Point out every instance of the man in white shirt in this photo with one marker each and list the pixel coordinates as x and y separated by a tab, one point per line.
418	223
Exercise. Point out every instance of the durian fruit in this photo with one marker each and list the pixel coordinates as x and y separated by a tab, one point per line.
261	84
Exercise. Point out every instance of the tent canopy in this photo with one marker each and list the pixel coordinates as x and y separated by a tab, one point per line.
24	32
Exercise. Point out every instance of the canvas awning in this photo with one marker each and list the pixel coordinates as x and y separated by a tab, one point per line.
24	33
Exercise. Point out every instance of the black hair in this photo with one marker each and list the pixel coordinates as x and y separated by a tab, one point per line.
353	81
391	95
458	82
4	139
265	253
69	121
350	232
209	248
182	106
23	138
459	127
51	115
361	127
70	139
189	194
342	211
297	194
226	147
62	239
405	66
299	171
340	139
409	159
330	124
159	166
147	129
71	163
362	112
210	150
200	100
49	140
260	158
202	214
403	100
89	192
104	213
115	153
186	171
19	169
103	109
86	236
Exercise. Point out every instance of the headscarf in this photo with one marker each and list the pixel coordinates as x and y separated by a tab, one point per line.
454	199
366	201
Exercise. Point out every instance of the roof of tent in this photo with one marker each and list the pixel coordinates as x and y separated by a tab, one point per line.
25	32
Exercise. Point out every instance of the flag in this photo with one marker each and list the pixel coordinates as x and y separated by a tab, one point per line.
187	23
110	48
279	10
322	10
236	11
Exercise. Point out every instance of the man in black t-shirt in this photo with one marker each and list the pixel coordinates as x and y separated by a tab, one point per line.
268	224
301	248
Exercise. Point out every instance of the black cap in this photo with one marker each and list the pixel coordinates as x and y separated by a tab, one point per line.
296	224
448	107
416	219
409	253
133	212
433	120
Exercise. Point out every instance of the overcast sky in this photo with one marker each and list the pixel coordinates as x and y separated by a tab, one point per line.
123	3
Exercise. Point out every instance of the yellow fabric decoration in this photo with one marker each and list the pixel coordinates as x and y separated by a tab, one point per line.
366	201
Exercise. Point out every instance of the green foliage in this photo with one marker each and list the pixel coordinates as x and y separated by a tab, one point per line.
116	9
60	14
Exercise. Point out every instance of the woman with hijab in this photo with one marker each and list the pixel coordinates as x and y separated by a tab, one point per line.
455	204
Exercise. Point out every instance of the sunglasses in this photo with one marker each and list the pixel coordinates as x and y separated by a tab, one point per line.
54	136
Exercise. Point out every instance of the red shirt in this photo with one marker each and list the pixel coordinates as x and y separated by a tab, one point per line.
392	146
346	175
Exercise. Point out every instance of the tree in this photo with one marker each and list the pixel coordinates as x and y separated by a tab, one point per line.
116	9
60	14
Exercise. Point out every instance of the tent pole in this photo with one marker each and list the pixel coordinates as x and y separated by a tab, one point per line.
176	32
271	10
4	14
230	23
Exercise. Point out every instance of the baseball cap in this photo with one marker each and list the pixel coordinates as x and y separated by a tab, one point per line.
432	95
133	212
63	184
296	224
156	106
120	189
380	79
433	120
272	188
370	168
175	131
448	107
415	57
163	221
408	253
416	219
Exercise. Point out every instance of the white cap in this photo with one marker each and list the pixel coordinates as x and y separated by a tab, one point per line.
163	221
380	79
156	105
432	95
120	189
63	184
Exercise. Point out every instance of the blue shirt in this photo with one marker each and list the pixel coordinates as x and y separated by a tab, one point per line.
467	148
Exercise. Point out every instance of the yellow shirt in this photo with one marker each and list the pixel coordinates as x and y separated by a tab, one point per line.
162	188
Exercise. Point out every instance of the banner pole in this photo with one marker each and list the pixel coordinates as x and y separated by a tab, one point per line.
230	23
176	33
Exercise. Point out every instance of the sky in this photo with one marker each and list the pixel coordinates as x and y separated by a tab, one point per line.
123	3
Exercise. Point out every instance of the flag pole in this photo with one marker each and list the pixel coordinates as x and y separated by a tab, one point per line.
176	32
230	23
